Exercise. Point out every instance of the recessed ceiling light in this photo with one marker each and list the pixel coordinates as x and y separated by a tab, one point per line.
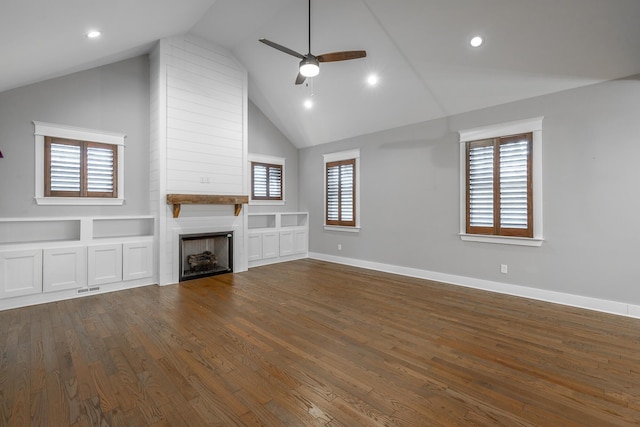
372	80
93	34
308	104
476	41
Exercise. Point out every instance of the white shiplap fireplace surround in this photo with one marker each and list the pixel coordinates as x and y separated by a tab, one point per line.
198	145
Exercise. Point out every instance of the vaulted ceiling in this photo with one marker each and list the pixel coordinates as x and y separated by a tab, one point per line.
419	49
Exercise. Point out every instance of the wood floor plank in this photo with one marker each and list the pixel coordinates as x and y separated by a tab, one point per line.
57	400
104	391
310	343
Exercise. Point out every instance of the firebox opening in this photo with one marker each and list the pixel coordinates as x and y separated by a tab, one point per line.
205	254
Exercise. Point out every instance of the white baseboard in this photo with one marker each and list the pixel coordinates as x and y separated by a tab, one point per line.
606	306
47	297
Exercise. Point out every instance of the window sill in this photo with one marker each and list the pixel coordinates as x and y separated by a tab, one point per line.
503	240
342	229
78	201
266	202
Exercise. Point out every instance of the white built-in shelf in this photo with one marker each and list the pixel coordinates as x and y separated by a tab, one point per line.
30	230
294	219
261	221
52	231
277	237
275	220
104	228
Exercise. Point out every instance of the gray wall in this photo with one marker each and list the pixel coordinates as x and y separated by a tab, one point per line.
591	179
113	98
266	139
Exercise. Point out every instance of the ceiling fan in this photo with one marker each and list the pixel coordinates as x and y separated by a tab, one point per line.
310	64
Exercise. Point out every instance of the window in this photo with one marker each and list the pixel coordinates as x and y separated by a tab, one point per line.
76	166
499	186
79	168
266	181
501	183
341	189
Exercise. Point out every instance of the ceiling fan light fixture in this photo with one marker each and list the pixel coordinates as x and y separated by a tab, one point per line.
476	41
309	67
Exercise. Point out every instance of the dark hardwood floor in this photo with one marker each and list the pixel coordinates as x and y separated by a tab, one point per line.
309	343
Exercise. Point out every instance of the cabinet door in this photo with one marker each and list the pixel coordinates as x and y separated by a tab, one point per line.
64	268
286	243
255	247
20	273
269	245
300	241
137	260
105	264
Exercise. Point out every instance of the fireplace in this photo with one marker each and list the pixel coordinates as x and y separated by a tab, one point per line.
205	254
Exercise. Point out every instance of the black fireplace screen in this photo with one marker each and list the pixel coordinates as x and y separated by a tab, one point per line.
205	254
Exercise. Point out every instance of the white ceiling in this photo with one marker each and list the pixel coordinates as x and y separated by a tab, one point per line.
418	48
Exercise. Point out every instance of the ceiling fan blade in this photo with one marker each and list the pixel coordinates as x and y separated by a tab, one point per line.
342	56
300	79
282	48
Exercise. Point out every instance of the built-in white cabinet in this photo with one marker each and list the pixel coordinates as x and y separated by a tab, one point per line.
137	260
64	268
286	243
20	273
277	237
46	259
269	245
293	242
300	242
263	245
105	264
255	247
120	262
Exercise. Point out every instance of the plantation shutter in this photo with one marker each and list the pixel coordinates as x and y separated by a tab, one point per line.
514	183
499	199
266	181
65	169
341	193
275	182
80	169
480	184
100	169
260	188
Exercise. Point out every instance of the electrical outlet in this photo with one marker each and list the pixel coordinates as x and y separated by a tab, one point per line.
503	269
339	246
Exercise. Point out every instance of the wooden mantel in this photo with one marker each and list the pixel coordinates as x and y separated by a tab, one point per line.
204	199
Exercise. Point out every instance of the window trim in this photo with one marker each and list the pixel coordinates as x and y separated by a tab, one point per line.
338	157
534	126
43	129
84	169
271	160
